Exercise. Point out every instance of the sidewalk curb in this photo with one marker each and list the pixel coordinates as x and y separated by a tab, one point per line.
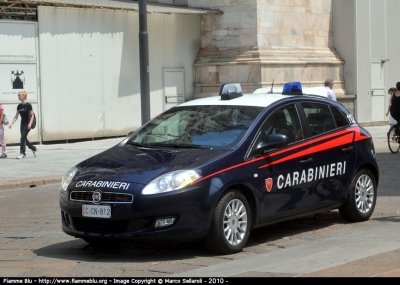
30	182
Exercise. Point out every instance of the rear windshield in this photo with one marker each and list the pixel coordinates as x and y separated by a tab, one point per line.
203	126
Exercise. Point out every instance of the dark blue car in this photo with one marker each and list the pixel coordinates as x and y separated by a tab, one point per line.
212	169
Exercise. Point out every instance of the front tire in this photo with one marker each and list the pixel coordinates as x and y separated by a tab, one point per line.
361	197
231	223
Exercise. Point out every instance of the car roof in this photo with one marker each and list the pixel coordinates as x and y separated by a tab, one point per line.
259	98
317	91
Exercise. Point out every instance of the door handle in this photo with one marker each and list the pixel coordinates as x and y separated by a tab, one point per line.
306	161
347	149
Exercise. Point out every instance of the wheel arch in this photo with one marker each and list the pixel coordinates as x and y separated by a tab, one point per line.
359	203
368	166
249	195
372	168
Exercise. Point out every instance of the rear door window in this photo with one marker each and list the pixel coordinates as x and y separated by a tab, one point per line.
339	119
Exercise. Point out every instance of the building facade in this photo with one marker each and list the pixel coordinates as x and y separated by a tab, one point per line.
366	36
81	67
260	42
81	59
352	42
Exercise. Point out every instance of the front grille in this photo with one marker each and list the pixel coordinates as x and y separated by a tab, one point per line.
101	226
106	197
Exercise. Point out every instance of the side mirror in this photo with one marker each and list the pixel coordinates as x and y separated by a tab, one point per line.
273	141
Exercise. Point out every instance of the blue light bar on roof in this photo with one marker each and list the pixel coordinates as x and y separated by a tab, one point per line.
231	91
292	88
221	88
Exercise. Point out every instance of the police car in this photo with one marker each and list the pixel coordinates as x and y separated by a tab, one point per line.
212	169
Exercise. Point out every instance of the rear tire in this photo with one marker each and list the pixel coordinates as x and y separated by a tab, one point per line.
393	139
361	197
231	223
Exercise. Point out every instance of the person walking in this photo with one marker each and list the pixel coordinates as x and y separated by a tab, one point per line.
2	139
391	120
25	110
329	86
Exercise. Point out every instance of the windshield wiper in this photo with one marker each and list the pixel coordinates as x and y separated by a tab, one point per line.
138	144
177	145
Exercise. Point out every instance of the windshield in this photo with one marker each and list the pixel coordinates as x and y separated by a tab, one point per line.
198	126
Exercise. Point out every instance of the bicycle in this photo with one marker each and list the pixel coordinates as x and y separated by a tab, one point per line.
393	137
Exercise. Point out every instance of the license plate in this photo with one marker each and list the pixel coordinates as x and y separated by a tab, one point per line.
96	211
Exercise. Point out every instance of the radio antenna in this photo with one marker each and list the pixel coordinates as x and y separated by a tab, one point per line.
272	87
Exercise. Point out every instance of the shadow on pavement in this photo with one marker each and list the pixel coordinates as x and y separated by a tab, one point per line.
388	219
268	237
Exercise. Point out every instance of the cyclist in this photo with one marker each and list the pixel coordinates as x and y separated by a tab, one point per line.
395	105
391	120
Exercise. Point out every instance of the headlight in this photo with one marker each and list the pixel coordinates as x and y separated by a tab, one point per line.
171	181
68	178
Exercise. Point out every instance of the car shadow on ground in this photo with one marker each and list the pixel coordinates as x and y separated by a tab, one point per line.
260	240
393	219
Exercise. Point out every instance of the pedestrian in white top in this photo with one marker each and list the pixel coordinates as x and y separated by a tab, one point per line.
392	121
2	139
328	86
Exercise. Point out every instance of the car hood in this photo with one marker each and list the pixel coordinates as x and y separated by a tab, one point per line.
131	164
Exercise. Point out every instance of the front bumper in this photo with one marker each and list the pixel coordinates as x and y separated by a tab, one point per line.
191	208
